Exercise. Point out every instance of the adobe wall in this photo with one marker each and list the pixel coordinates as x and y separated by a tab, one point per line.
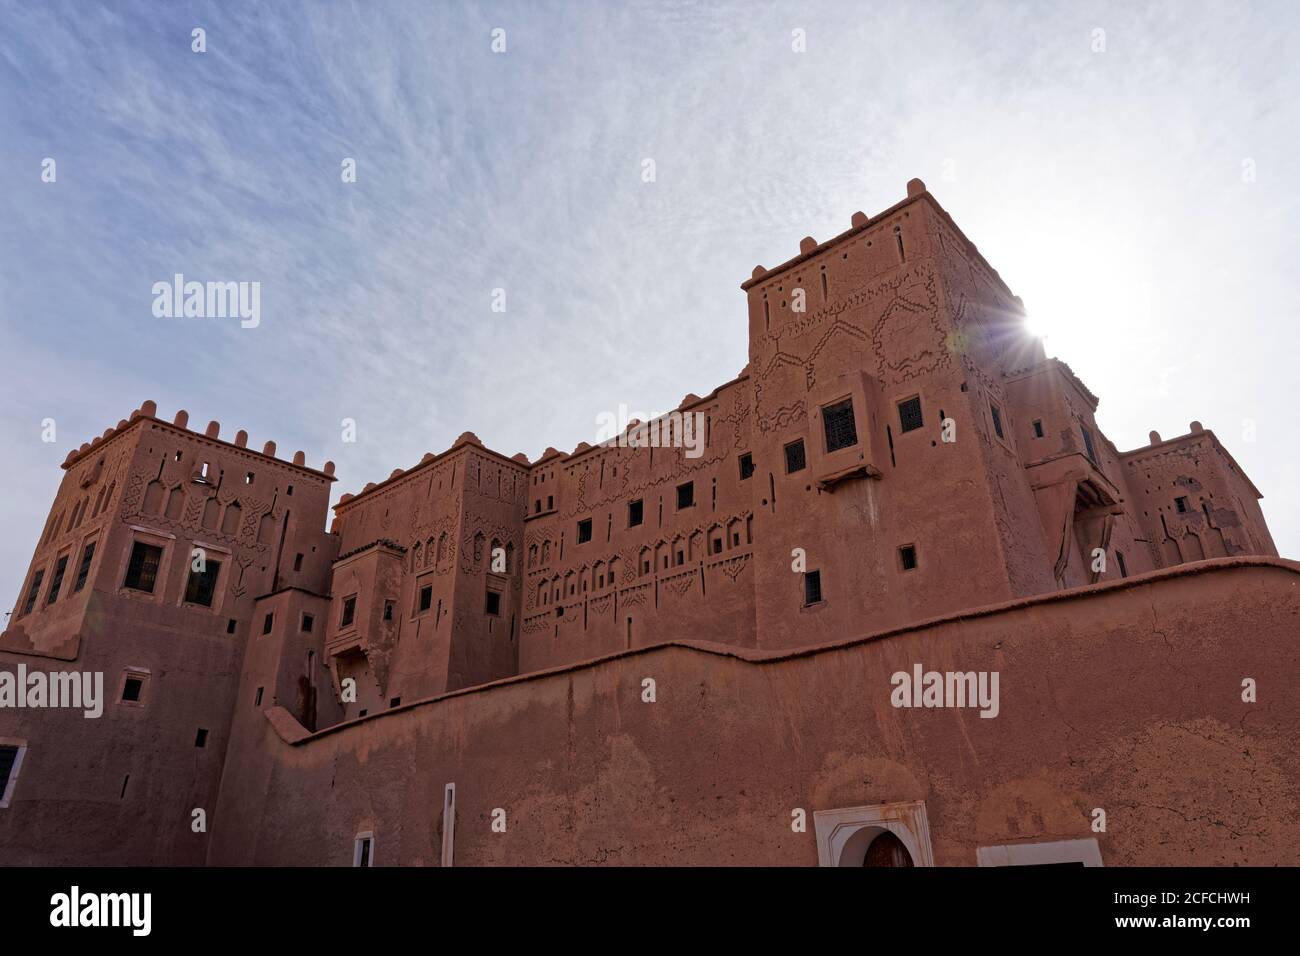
1123	696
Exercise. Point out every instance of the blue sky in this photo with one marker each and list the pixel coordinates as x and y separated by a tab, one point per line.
1106	186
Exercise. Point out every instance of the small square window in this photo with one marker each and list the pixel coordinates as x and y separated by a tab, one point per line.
812	587
997	420
686	495
1038	428
395	702
492	604
795	458
267	622
1181	505
584	531
746	466
907	557
248	478
308	622
349	611
635	512
426	597
201	738
132	689
909	414
839	425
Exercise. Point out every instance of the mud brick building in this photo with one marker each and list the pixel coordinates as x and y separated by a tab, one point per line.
953	503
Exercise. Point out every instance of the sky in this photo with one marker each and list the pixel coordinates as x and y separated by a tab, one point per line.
1129	169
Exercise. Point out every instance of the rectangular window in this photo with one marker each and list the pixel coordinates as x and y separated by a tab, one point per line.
201	738
395	702
812	587
9	755
83	572
1181	505
839	425
635	512
1087	443
362	854
297	562
388	610
202	585
349	611
686	495
257	701
267	622
746	466
1123	568
795	458
997	419
1038	428
33	591
132	688
492	604
142	569
907	557
909	414
426	597
230	626
57	582
307	623
584	531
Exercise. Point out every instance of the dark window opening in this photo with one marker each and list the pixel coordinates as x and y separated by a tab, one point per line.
907	557
230	626
8	757
584	531
795	459
131	689
839	425
84	571
349	611
57	583
909	414
142	570
1087	443
395	702
635	513
717	545
746	466
686	495
267	622
363	858
202	585
297	562
492	604
550	502
426	597
308	622
1181	505
1123	568
388	610
201	738
257	701
33	591
1038	428
997	420
812	587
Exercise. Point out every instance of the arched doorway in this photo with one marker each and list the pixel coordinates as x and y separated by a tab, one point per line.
887	850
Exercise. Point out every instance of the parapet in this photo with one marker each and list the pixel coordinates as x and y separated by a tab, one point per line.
148	411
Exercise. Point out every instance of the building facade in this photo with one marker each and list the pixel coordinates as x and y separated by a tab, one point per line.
897	458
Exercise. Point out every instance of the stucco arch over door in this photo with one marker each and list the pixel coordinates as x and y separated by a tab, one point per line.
843	836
